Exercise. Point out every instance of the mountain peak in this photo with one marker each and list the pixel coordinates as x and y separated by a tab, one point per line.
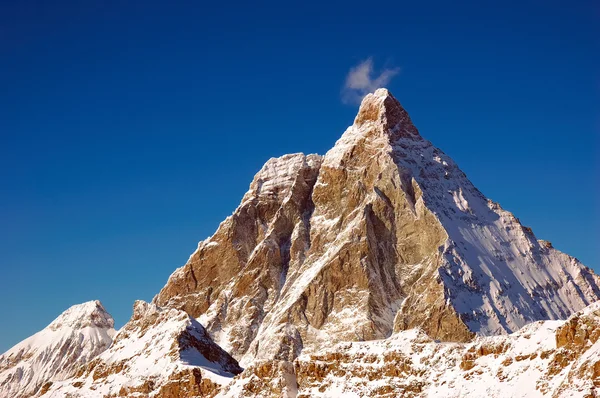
379	124
73	339
383	108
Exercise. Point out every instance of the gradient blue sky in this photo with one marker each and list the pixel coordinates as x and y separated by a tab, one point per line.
128	132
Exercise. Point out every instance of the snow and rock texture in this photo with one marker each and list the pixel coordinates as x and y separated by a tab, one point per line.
159	352
543	359
382	234
74	338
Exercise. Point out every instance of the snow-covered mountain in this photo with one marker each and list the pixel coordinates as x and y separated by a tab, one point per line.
377	269
74	338
382	234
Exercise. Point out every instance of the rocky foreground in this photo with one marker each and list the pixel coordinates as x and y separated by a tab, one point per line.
164	353
543	359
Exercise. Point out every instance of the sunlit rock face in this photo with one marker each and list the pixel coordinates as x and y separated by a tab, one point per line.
382	234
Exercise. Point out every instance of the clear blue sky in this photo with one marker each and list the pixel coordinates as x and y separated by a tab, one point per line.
128	132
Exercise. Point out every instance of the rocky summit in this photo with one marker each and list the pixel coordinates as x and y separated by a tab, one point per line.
377	269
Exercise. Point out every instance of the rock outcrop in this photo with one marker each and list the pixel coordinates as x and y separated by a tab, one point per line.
73	339
382	234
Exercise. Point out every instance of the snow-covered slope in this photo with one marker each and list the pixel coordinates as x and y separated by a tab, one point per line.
159	352
74	338
497	275
384	233
543	359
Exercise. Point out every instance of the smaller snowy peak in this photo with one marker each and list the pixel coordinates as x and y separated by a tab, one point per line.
73	339
91	313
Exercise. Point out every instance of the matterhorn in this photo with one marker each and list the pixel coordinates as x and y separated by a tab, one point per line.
377	269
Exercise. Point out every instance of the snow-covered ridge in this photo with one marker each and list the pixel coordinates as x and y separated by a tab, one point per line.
74	338
89	314
543	359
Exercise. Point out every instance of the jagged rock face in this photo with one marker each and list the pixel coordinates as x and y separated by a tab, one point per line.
238	274
382	234
159	352
74	338
578	353
543	359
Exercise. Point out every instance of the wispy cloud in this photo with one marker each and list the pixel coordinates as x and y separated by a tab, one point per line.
361	81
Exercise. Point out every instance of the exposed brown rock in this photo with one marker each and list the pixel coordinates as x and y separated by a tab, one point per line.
366	273
266	232
189	383
573	339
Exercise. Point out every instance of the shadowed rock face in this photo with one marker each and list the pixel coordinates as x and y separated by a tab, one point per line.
383	233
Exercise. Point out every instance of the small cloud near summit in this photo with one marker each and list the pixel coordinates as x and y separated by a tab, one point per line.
361	81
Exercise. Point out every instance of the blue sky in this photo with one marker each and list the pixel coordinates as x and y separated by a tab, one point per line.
128	132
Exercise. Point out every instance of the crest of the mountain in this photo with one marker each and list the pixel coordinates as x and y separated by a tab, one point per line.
383	233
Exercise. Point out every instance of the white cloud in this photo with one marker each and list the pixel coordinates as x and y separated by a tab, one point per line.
360	81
